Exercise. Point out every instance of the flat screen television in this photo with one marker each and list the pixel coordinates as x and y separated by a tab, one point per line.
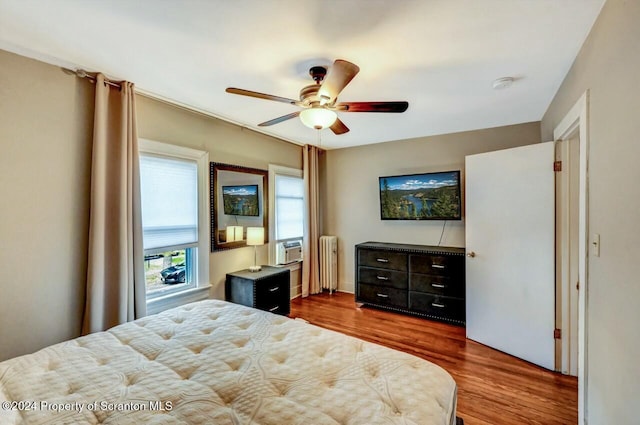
241	200
427	196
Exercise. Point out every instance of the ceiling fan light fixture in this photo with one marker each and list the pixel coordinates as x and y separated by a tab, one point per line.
318	118
318	101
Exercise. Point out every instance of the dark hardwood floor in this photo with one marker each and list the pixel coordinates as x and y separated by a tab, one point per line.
493	387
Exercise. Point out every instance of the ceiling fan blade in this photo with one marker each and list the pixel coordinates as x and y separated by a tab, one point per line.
338	127
250	93
279	119
339	75
372	106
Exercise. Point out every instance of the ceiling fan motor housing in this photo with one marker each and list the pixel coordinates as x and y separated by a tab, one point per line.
309	94
318	73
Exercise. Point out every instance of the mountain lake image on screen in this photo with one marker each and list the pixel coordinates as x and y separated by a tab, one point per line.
427	196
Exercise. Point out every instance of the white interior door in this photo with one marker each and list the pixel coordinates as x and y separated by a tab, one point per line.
510	283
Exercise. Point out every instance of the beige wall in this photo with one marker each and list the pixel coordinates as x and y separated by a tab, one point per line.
351	209
609	66
46	119
225	143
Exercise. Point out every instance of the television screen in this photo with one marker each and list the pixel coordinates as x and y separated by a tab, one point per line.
241	200
428	196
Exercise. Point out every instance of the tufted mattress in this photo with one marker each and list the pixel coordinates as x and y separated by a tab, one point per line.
214	362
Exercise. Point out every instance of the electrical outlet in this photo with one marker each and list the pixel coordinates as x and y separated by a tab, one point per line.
595	244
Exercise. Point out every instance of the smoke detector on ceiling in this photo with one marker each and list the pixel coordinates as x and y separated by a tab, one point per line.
503	83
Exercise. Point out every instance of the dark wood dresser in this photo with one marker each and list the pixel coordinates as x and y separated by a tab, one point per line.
267	289
424	280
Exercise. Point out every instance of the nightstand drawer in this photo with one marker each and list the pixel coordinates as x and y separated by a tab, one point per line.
383	259
436	264
390	278
439	285
436	305
273	308
270	290
272	296
382	295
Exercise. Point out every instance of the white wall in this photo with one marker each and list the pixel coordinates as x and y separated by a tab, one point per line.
609	66
351	208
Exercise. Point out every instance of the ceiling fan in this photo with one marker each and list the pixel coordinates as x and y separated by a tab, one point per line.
319	100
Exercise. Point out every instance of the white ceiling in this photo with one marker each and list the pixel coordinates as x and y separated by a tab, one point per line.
439	55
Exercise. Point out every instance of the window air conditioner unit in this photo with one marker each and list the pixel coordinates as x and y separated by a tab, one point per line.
288	252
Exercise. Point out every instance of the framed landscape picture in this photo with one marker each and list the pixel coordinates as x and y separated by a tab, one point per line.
241	200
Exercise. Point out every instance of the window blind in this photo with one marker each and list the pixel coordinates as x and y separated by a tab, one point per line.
169	189
289	207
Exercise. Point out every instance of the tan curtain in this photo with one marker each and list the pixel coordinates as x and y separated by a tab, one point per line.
115	276
311	259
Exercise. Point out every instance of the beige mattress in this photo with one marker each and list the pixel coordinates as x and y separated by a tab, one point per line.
213	362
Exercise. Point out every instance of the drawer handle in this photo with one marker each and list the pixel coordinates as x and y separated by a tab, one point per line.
438	305
382	260
274	289
274	308
382	278
437	266
438	285
382	295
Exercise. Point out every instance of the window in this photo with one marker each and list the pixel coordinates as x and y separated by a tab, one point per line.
287	187
174	223
289	207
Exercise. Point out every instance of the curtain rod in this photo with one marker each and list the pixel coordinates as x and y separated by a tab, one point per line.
81	73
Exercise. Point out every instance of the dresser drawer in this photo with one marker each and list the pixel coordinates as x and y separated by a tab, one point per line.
382	295
390	278
437	305
423	280
382	259
439	285
437	264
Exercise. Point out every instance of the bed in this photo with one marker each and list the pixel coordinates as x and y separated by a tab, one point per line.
213	362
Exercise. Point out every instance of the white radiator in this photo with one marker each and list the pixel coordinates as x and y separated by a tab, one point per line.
329	263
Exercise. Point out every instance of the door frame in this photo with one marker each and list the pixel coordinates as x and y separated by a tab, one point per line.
576	122
567	196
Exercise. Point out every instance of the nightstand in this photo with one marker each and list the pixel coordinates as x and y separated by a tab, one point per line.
267	289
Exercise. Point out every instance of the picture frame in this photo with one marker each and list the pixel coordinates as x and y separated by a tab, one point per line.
228	175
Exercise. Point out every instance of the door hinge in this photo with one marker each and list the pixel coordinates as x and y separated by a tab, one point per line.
557	166
557	333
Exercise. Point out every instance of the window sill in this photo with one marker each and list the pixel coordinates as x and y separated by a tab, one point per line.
296	265
165	302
